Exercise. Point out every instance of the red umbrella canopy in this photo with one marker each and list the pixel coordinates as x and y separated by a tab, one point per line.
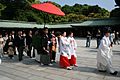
49	8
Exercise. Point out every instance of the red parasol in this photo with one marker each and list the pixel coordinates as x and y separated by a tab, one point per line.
49	8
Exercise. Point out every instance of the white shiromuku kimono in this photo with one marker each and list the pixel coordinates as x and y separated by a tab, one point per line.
104	56
73	46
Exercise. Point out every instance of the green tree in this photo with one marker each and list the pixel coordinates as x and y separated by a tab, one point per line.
21	10
115	13
94	9
2	7
67	9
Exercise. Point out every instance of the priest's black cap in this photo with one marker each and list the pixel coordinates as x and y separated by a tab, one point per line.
107	30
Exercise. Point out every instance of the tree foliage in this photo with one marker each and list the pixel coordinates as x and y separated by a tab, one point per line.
21	10
115	13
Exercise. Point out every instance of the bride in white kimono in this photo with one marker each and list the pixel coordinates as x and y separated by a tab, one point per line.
104	56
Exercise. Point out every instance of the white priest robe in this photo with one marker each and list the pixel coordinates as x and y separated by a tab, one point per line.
104	55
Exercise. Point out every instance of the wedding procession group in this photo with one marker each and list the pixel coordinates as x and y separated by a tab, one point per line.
47	48
54	47
60	48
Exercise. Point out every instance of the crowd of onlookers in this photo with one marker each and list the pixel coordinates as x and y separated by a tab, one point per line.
12	43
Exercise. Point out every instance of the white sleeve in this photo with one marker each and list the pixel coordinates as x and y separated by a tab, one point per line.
64	42
68	40
75	43
104	45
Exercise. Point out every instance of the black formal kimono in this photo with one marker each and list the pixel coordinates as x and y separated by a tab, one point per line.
29	45
19	43
45	57
37	43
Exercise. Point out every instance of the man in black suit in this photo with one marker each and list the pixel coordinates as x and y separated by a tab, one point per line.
29	43
13	34
13	38
19	43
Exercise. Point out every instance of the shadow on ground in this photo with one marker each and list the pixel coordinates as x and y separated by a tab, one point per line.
29	61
